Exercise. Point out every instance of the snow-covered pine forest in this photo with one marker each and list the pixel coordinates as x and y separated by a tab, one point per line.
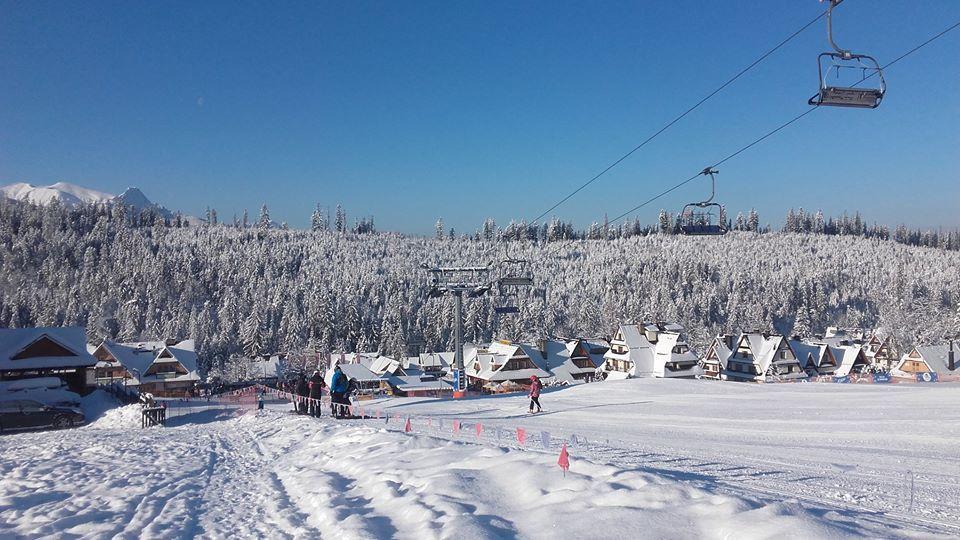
262	289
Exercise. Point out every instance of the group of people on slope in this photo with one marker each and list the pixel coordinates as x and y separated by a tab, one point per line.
311	390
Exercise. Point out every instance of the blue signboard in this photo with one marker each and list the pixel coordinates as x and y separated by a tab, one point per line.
928	376
881	378
459	380
842	380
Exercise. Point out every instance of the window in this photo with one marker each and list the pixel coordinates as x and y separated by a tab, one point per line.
28	405
680	349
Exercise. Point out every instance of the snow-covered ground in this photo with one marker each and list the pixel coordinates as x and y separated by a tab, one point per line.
654	459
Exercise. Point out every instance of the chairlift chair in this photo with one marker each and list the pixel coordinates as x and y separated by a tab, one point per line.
514	275
697	219
847	96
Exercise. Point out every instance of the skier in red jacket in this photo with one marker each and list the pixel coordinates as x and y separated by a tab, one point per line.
535	387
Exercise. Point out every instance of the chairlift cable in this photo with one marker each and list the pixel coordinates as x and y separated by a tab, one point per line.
778	128
681	116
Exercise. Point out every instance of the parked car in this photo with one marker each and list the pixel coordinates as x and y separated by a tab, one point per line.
19	414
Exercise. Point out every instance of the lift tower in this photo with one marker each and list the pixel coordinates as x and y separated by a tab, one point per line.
457	281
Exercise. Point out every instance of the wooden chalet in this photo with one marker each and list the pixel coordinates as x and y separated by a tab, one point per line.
650	349
761	357
162	368
939	359
27	353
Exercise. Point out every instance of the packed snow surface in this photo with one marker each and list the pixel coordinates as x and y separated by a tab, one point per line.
652	459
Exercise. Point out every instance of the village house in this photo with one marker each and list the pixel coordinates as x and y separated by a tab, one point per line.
877	348
500	366
419	386
569	361
432	363
715	360
162	368
816	359
649	350
367	381
879	351
761	357
47	352
939	359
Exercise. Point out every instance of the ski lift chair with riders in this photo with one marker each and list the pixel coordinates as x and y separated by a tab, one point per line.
847	96
697	218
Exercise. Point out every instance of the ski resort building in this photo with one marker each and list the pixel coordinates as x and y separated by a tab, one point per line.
877	348
569	361
162	368
760	357
816	359
433	363
878	351
649	350
939	359
368	382
419	386
500	366
715	360
47	352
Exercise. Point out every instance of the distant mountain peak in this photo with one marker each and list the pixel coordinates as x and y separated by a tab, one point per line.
72	195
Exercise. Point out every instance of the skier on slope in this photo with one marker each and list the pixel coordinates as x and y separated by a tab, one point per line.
535	387
316	385
339	386
302	391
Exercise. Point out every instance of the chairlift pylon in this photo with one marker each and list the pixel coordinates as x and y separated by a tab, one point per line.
697	218
847	96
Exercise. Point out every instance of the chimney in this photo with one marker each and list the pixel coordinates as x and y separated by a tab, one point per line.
542	345
951	363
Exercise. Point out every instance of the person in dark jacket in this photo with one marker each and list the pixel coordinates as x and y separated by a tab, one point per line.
339	386
316	385
302	391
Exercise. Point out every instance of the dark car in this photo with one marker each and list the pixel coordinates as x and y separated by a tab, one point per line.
18	414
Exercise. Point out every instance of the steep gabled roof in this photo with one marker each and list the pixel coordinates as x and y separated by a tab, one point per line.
66	348
936	357
719	351
137	357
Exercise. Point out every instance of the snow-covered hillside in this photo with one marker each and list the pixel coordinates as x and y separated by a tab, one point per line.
654	459
66	194
71	196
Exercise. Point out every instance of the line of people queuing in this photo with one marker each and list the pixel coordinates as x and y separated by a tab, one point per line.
310	390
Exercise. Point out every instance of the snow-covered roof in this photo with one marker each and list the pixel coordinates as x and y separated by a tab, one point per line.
437	360
385	365
489	363
559	361
847	358
73	339
651	359
936	357
809	355
719	351
265	367
358	372
410	383
137	357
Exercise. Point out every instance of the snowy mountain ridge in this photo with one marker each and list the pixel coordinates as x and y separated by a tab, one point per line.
72	195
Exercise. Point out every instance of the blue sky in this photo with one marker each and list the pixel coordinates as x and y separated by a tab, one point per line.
410	111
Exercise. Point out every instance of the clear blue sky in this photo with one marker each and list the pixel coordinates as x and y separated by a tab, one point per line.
410	111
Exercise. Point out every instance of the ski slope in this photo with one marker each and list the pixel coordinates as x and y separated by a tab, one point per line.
654	459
